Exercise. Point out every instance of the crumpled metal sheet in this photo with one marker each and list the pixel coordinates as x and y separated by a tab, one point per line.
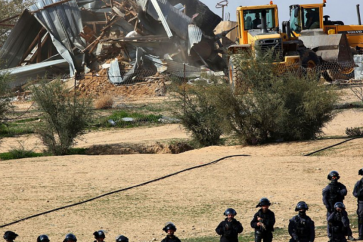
20	38
64	24
358	71
176	20
195	35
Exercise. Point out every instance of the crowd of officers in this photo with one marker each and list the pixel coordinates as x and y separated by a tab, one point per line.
301	227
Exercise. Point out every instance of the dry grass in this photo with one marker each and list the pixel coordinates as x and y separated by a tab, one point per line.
104	102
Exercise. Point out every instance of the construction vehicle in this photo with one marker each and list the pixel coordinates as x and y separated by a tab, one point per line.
258	27
334	42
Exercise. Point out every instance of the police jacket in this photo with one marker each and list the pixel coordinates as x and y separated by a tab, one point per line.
302	228
268	219
229	230
339	222
172	238
358	190
334	192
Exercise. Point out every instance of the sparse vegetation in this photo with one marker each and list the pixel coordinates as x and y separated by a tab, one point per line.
354	132
65	116
104	102
123	119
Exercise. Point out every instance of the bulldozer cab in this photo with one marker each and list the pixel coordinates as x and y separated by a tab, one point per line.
306	17
250	22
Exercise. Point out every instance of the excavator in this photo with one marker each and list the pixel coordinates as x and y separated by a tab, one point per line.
334	42
258	27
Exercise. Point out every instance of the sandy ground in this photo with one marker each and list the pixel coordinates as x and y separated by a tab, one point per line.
194	200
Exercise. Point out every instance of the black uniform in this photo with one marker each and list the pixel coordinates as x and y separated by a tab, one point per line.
268	219
172	238
302	229
334	192
358	193
338	226
229	230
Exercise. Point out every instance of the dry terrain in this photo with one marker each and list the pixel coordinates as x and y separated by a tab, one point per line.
194	200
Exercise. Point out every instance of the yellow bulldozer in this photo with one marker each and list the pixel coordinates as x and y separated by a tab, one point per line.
258	28
334	42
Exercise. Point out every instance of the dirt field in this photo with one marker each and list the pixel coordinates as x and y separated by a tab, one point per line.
194	200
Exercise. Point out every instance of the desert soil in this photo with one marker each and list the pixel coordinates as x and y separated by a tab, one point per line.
194	200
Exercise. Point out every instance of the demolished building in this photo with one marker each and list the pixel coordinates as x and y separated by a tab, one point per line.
124	36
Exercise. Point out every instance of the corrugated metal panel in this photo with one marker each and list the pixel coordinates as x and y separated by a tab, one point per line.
176	20
20	38
358	71
195	35
162	18
114	73
64	24
22	74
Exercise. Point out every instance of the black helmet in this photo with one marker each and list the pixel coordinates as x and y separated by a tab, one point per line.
333	174
70	237
10	235
99	234
339	205
360	172
43	238
263	202
230	211
122	238
169	226
301	205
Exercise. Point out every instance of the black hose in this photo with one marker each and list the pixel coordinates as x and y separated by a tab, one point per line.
331	146
121	190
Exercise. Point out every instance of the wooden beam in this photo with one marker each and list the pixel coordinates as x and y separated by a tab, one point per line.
39	50
32	45
7	19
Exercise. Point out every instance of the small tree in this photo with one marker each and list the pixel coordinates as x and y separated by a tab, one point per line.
65	116
197	113
5	79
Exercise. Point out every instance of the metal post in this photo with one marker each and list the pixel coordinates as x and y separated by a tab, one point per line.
184	91
358	13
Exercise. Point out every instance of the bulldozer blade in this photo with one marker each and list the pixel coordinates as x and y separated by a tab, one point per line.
332	48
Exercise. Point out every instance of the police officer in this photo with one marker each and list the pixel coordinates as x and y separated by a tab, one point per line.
333	193
99	236
230	227
263	222
43	238
70	238
170	230
358	193
338	223
122	238
301	227
10	236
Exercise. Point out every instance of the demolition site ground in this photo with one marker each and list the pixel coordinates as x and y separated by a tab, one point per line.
194	200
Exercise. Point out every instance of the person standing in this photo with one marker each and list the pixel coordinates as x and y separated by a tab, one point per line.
263	221
301	227
338	223
230	227
170	230
358	193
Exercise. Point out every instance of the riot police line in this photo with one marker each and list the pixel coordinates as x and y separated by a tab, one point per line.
301	227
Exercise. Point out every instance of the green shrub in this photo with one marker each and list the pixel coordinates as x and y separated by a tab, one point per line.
197	112
269	105
19	154
65	116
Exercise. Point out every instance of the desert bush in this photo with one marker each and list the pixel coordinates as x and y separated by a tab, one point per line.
5	78
104	102
270	105
197	112
354	132
65	116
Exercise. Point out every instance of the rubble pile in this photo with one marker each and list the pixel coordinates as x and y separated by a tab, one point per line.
121	47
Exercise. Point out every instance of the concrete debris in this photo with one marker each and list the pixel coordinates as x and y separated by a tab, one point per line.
123	41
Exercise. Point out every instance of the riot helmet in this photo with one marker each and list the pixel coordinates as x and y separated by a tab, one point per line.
301	205
10	235
122	238
99	234
230	211
169	226
43	238
69	237
333	174
339	205
263	202
360	172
